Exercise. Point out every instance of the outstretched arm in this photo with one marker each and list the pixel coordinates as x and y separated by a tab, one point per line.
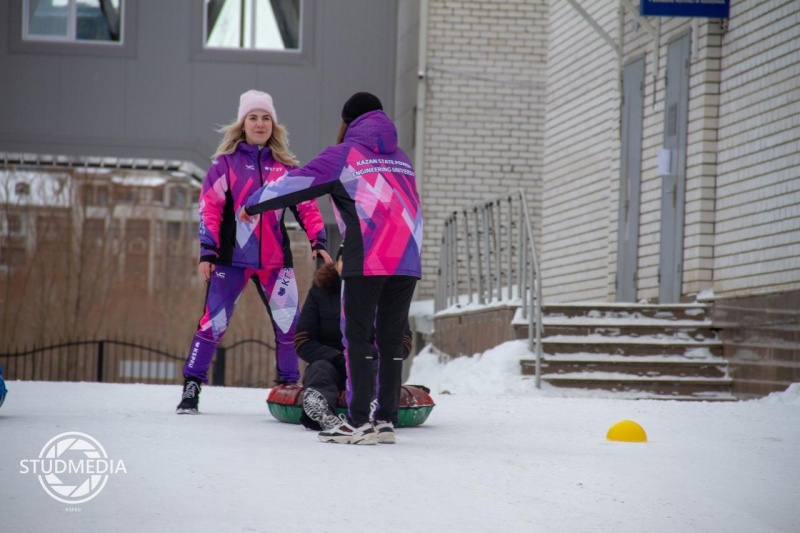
300	185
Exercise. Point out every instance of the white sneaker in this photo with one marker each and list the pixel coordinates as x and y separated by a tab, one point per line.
384	431
344	433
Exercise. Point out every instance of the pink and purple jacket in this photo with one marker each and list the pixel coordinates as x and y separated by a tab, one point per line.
373	187
263	245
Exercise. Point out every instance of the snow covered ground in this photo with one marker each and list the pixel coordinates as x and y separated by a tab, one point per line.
495	455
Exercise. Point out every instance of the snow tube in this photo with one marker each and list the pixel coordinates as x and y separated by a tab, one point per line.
285	403
3	390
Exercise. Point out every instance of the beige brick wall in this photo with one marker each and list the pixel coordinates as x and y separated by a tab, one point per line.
742	205
498	117
757	244
484	117
581	153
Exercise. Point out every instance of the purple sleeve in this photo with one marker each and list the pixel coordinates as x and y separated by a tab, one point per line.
209	210
314	179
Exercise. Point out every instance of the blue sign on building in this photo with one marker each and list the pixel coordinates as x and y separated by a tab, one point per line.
685	8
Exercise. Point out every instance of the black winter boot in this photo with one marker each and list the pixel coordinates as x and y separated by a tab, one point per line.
191	397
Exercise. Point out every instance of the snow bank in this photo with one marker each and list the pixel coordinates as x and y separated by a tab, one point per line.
790	396
496	371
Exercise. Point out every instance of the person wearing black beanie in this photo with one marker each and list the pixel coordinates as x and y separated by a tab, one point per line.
360	104
357	105
372	184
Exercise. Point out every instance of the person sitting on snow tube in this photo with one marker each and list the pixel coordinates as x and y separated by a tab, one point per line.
318	342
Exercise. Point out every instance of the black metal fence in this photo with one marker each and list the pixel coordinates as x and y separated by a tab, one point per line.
243	363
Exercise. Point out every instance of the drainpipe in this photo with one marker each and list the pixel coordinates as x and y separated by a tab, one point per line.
419	148
419	129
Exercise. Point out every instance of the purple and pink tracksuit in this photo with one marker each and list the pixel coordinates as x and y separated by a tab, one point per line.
373	188
259	252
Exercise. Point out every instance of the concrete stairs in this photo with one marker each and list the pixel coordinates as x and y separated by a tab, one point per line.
635	350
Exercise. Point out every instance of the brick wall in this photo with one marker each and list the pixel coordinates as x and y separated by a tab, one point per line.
757	243
528	94
473	332
582	132
484	116
742	204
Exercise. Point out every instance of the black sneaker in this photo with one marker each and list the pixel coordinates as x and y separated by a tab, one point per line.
191	397
317	408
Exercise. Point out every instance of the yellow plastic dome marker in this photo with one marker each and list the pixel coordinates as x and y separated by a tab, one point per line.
627	431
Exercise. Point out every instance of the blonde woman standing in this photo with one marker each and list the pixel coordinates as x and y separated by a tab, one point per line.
253	152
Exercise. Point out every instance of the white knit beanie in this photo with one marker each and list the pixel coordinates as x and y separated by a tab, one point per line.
252	100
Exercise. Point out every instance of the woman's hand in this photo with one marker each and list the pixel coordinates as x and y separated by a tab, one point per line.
206	269
244	217
324	254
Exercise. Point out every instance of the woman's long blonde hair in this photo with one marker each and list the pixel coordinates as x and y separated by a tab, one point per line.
278	142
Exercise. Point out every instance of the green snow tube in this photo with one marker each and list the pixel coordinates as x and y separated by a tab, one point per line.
285	403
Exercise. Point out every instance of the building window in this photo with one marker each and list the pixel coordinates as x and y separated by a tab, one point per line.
173	231
15	226
125	195
177	197
88	194
101	195
97	21
22	189
252	24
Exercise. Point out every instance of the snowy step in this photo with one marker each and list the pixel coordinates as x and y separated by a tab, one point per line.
630	311
663	385
628	345
684	329
705	396
643	350
645	367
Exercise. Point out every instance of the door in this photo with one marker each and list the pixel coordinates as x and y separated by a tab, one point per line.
630	179
673	179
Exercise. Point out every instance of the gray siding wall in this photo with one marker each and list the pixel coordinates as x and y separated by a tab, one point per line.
405	99
165	101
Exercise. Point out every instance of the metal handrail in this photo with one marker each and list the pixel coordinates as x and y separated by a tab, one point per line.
485	240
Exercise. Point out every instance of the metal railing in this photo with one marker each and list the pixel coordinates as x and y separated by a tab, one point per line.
489	256
243	363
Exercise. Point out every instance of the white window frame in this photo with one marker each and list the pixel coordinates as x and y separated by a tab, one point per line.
72	24
302	55
253	33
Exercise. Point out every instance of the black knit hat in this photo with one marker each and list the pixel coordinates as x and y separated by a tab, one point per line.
359	104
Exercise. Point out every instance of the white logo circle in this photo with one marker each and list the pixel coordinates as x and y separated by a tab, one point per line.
80	480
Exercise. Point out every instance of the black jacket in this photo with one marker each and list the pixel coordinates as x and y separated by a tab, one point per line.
317	335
